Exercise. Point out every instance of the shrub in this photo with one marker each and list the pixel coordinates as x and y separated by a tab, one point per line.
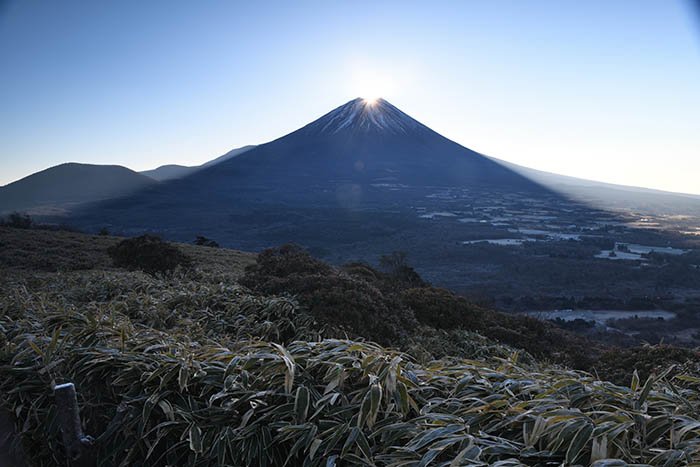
542	339
149	254
388	283
363	302
396	265
442	309
349	304
362	271
617	365
204	241
394	261
286	260
18	221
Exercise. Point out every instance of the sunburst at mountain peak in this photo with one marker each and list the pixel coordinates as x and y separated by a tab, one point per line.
365	114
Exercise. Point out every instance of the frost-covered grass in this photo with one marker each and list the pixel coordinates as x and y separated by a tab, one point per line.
191	368
226	378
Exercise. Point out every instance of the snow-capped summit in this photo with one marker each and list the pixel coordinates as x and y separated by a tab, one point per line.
364	115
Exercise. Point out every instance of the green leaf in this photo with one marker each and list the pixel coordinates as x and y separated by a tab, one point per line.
196	439
302	400
579	441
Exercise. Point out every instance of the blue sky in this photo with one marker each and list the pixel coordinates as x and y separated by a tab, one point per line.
607	90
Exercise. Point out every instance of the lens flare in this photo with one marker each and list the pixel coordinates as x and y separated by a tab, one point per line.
371	85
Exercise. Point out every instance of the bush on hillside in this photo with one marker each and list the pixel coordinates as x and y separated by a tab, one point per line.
442	309
18	221
542	339
396	266
617	365
148	253
363	271
394	261
363	302
349	304
204	241
388	283
287	260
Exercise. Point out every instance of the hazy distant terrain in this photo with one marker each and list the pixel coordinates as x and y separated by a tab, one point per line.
610	196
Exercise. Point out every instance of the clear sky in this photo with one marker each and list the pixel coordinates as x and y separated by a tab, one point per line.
607	90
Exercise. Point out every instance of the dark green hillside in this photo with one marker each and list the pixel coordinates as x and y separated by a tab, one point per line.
66	185
271	360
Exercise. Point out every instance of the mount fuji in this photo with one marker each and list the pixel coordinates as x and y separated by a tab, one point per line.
368	142
315	184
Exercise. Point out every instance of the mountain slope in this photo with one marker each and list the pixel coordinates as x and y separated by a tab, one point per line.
232	153
168	172
69	184
172	171
362	142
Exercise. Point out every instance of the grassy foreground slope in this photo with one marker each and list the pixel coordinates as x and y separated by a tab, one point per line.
243	362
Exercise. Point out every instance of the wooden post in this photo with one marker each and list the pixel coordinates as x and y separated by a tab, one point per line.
78	445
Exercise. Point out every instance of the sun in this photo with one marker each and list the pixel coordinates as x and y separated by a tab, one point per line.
371	86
